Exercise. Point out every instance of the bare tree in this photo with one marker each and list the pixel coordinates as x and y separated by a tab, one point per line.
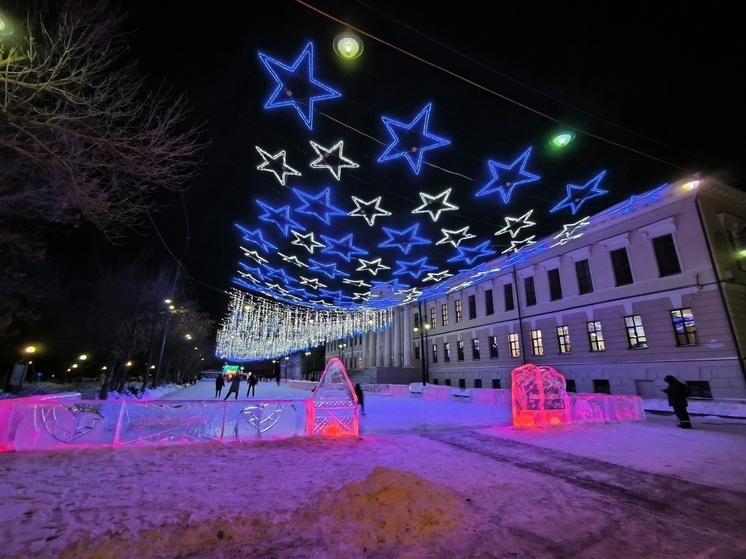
81	138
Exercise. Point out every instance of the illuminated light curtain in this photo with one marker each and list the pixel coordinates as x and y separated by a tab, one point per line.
257	328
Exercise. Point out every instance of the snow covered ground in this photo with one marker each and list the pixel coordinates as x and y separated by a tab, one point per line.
424	479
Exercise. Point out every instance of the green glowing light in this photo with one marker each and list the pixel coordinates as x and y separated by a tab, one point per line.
562	139
348	45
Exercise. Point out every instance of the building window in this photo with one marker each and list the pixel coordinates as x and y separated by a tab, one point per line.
459	315
472	307
509	300
488	302
447	382
475	349
583	271
447	352
435	353
493	347
537	346
477	383
462	383
416	320
495	383
601	386
460	350
563	337
665	255
595	336
684	327
570	385
528	283
432	317
555	285
699	389
416	352
515	347
444	314
635	332
435	381
620	263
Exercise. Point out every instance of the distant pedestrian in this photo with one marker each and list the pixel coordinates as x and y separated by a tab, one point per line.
360	397
219	384
234	387
277	378
252	380
677	392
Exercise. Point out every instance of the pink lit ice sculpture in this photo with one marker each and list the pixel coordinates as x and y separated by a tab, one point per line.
539	397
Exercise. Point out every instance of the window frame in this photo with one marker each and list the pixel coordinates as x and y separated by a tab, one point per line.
636	338
563	339
555	284
621	266
489	302
459	311
459	350
666	254
687	333
585	279
472	300
475	353
444	314
537	343
494	350
514	343
595	337
509	294
529	285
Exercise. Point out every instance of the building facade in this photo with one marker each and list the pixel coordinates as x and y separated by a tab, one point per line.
615	302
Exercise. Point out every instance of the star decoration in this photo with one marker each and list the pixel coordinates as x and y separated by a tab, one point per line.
438	276
368	210
590	189
318	205
506	182
403	144
271	165
524	254
434	205
363	297
282	219
278	273
414	269
455	237
515	246
308	91
257	238
568	232
470	254
637	202
462	285
255	272
306	241
372	266
292	260
329	270
356	283
410	295
343	247
254	255
312	283
406	245
332	159
513	225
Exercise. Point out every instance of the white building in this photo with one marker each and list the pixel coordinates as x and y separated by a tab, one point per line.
653	286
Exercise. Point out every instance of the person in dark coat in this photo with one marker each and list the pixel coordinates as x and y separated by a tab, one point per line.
219	384
360	397
677	392
234	387
252	380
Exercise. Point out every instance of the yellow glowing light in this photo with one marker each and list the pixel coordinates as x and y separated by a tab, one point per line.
30	349
348	45
691	185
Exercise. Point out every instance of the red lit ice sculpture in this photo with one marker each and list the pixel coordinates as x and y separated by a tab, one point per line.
539	397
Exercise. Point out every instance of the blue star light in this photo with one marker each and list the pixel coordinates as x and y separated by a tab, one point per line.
281	217
343	247
590	189
637	202
409	238
318	205
471	254
506	182
329	270
412	151
301	73
414	269
257	238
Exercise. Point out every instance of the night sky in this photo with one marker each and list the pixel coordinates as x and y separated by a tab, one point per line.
650	96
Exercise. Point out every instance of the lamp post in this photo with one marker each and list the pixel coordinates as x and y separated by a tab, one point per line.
422	329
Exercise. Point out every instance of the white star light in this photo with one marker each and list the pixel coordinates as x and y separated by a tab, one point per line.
435	205
372	266
254	255
356	283
292	260
518	245
312	283
368	210
437	276
332	159
513	225
306	241
455	237
284	168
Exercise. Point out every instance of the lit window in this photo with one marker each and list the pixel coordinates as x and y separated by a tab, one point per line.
635	332
537	345
563	337
459	315
447	352
684	327
444	314
432	317
475	349
595	336
493	347
460	350
515	347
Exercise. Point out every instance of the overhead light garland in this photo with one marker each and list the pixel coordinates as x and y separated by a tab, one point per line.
257	328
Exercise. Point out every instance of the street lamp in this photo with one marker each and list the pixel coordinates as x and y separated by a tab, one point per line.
341	349
423	345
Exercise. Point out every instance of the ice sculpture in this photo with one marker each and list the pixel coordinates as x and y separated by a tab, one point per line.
588	408
334	402
539	397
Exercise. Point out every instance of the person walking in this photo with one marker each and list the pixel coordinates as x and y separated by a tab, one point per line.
252	384
677	392
360	397
235	386
219	384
